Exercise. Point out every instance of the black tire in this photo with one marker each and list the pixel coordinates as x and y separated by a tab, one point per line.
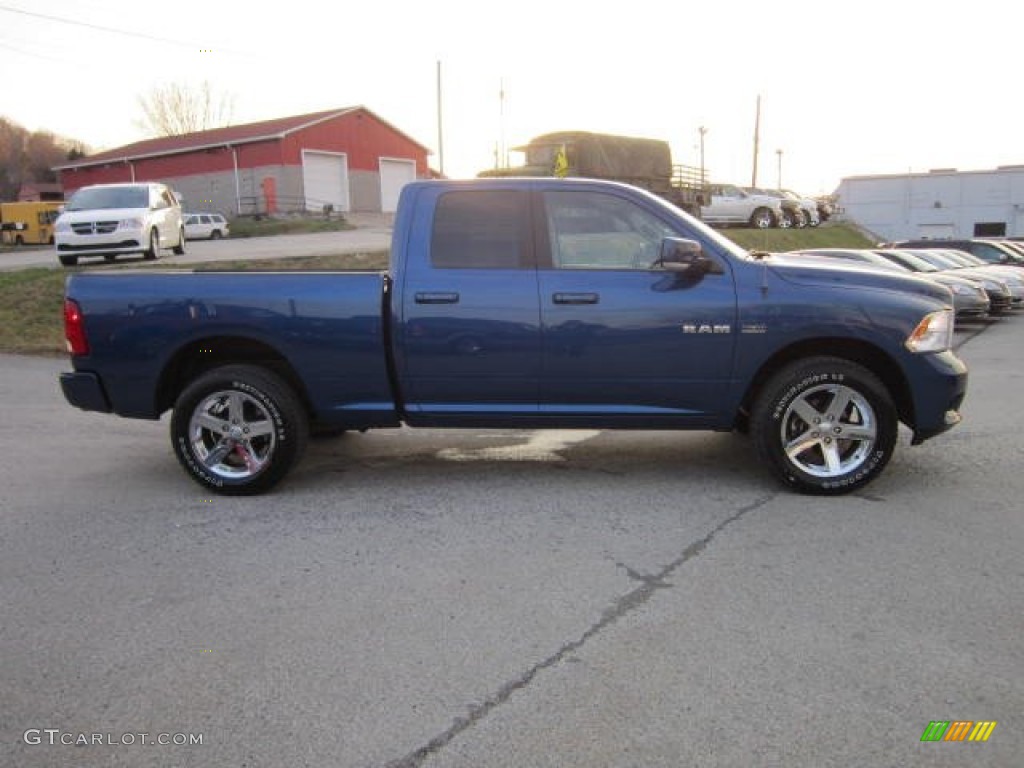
215	235
785	221
153	252
67	261
829	464
761	218
255	446
19	240
109	257
800	219
179	249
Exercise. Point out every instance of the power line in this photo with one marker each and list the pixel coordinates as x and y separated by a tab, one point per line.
33	54
101	28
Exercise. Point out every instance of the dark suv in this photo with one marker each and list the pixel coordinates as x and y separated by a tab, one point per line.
986	250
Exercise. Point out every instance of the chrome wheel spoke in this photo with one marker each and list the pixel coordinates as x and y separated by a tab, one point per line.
804	442
252	463
235	408
210	422
806	411
833	461
214	458
260	428
859	432
840	403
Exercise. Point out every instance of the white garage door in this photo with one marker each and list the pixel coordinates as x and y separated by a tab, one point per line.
325	180
394	174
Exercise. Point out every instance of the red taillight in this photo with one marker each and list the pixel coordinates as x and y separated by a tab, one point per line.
74	329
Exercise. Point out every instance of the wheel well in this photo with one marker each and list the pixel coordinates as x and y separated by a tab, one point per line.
860	352
202	355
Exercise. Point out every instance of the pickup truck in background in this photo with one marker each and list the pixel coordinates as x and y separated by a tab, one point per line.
728	204
525	303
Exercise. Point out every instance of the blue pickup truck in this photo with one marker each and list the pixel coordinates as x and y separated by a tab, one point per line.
525	303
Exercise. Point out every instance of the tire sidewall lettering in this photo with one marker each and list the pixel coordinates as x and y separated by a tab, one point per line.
812	380
268	403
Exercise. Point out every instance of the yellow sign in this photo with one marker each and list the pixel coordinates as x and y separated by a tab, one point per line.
561	163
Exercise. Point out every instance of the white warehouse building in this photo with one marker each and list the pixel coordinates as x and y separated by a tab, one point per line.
937	204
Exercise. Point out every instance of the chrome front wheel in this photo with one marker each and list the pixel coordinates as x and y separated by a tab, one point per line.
829	430
825	425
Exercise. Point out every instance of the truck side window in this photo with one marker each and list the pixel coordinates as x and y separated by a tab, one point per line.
481	229
593	230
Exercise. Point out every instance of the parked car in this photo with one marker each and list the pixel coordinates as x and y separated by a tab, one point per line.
963	263
969	296
731	205
986	250
799	211
808	205
999	296
112	219
206	226
826	207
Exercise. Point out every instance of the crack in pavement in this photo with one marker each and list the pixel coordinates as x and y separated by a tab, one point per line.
624	605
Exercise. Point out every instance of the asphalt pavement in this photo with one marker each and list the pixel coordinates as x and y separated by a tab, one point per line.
503	598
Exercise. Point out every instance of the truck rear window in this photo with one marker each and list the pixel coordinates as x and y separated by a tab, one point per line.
481	229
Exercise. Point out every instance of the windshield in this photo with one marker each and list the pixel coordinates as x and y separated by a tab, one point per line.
964	259
938	259
94	198
909	260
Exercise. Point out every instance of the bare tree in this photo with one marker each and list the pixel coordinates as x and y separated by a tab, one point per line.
31	156
178	108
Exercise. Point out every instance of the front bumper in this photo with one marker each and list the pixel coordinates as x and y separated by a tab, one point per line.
120	240
939	384
85	390
970	306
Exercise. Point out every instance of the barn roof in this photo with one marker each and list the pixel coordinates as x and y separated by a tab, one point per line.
264	130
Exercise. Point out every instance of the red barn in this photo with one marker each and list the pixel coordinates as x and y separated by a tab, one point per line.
349	159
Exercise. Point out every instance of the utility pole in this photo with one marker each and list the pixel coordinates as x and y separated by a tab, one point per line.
779	153
702	130
757	138
440	130
502	149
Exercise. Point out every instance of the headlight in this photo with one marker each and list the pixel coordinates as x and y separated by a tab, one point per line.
61	226
933	334
963	290
131	224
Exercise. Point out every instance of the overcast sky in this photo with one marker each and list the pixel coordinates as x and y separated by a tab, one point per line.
847	88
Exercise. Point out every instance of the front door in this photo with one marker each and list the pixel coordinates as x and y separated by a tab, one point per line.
626	341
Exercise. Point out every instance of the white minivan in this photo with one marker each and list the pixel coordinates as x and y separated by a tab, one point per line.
112	219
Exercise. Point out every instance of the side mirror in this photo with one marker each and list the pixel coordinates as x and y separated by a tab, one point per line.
686	257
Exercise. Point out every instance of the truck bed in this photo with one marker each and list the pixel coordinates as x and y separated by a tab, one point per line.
326	327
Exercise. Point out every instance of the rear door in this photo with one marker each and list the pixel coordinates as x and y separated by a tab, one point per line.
468	340
625	341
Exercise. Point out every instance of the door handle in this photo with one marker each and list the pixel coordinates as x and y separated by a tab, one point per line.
575	298
437	298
